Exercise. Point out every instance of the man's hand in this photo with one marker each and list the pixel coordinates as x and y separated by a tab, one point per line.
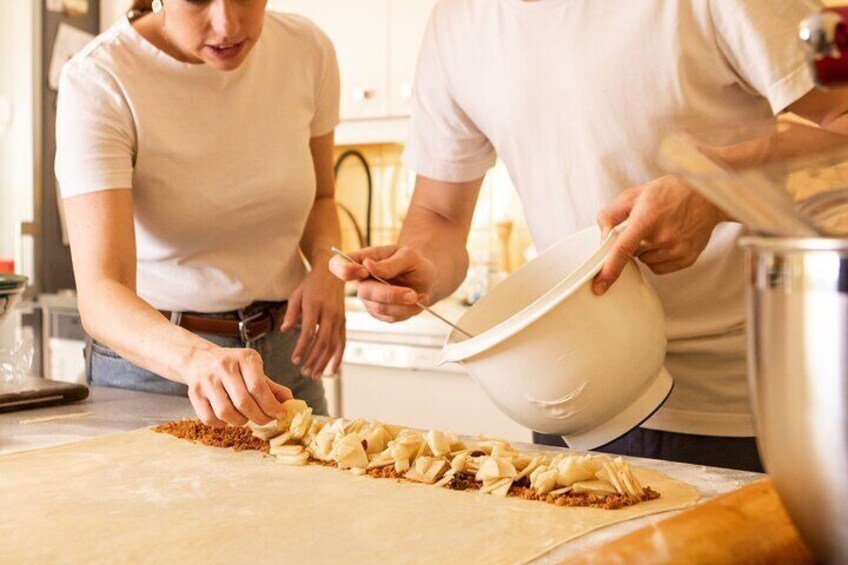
412	277
669	225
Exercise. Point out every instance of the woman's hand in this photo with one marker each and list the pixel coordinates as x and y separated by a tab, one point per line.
669	225
229	386
318	303
412	277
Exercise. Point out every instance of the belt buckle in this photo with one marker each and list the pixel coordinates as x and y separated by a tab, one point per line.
243	329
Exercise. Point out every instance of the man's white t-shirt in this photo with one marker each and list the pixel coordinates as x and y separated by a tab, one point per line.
575	97
218	162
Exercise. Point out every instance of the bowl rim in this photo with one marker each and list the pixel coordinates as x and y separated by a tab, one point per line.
654	396
466	348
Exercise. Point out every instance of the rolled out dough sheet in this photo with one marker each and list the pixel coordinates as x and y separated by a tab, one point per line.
147	497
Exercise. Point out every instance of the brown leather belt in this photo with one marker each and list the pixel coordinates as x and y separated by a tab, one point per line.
249	324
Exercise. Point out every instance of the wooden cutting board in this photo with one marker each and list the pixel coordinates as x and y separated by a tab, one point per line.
148	497
37	392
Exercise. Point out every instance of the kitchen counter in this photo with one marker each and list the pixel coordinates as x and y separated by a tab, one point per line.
422	329
113	410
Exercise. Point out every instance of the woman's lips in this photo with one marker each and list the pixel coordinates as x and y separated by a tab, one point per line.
226	51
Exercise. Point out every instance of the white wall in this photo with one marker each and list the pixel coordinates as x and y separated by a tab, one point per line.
17	35
16	140
111	10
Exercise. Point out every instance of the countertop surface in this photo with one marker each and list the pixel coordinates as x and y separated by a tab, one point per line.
424	324
113	410
106	410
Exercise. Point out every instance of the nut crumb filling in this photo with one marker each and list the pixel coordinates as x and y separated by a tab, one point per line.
239	439
607	502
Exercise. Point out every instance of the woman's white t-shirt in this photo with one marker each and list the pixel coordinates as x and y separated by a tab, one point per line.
218	162
575	97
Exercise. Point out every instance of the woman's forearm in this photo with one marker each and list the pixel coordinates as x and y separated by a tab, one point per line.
100	226
114	315
322	232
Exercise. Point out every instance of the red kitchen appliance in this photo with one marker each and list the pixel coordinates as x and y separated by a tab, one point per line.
826	37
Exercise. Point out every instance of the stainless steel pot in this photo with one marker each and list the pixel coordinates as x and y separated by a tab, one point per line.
798	371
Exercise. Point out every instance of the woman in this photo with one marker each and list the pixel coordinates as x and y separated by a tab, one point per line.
194	155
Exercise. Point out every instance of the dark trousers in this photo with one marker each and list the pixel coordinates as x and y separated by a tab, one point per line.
728	452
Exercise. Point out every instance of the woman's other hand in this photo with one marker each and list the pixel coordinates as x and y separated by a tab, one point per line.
318	304
229	386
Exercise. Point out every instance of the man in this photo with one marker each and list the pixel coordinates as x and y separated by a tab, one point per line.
575	97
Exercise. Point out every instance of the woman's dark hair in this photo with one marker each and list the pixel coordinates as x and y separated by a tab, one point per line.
142	6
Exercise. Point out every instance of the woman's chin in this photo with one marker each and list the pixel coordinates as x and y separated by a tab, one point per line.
224	66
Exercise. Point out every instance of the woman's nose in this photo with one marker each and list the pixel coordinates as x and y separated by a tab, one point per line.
223	18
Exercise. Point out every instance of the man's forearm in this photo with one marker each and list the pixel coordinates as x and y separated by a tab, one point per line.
441	241
437	227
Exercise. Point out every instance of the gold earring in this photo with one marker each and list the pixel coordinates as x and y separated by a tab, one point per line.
157	6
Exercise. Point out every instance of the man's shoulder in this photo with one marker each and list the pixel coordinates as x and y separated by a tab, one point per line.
464	11
462	18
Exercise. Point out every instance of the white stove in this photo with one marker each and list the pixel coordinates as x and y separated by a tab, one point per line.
390	374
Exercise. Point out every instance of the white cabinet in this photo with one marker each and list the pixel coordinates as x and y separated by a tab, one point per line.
377	43
358	30
407	21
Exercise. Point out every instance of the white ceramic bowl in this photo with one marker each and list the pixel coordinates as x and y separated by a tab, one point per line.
558	359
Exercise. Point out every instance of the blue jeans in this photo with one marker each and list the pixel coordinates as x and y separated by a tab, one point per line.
106	368
729	452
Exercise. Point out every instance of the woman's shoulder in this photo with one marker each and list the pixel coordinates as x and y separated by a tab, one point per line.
102	56
95	63
287	28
